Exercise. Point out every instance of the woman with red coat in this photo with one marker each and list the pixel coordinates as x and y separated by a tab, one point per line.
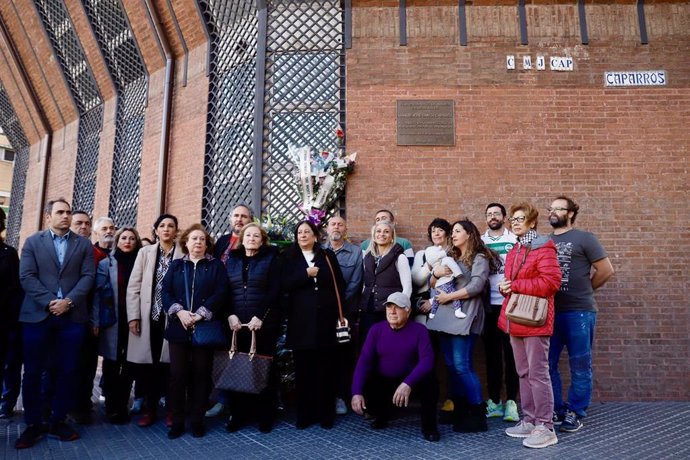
531	268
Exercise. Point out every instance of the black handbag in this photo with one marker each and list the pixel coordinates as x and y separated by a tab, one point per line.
243	372
206	334
211	334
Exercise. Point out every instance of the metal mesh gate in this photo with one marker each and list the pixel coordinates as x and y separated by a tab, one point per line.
126	67
305	85
229	159
285	59
14	132
75	67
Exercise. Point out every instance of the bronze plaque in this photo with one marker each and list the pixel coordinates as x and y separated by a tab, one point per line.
426	122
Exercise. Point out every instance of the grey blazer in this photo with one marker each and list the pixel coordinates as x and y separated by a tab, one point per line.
41	275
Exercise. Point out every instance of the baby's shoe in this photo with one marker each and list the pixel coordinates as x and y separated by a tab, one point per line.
460	314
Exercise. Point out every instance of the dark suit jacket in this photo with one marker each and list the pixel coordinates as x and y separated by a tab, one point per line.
41	275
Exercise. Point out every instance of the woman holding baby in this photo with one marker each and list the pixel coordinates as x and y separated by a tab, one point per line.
458	335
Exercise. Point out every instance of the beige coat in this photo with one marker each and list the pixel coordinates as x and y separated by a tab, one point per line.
139	293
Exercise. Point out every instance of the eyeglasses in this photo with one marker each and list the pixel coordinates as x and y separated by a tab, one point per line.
494	214
550	210
520	219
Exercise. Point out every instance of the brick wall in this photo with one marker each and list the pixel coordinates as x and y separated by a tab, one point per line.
528	135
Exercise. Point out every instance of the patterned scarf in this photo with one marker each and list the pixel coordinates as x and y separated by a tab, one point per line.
162	264
528	237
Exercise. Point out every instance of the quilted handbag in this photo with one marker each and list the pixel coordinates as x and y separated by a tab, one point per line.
211	334
527	310
244	372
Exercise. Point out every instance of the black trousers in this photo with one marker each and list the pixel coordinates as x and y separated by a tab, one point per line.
378	395
190	370
86	373
117	386
315	381
499	351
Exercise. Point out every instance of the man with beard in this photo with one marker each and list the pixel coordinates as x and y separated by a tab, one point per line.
57	273
497	347
576	310
105	233
88	360
350	259
239	217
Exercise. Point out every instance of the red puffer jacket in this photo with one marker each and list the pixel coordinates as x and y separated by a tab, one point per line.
540	276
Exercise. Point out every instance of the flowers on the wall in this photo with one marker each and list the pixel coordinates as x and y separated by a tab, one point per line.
321	176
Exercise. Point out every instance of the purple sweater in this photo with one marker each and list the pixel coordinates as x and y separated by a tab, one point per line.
404	353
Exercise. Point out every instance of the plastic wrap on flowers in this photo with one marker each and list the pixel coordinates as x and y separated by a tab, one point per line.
320	177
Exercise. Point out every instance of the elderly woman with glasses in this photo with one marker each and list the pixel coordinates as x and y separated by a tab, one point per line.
531	268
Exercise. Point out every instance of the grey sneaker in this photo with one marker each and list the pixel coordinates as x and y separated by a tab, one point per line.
521	430
541	437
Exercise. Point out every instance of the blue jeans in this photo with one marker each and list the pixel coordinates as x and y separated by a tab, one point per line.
53	344
575	331
457	353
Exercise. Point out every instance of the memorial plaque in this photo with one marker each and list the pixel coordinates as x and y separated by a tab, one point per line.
426	122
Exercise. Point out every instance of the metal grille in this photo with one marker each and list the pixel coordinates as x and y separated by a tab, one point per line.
15	134
305	72
82	83
126	66
303	99
228	166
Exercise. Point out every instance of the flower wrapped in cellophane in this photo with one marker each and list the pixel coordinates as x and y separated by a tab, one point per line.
321	177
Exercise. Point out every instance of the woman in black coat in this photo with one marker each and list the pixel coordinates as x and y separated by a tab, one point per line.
312	314
194	289
253	301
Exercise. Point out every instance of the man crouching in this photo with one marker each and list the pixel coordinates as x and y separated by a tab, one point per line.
396	360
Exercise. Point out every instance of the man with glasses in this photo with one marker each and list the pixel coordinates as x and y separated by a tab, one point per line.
497	343
576	310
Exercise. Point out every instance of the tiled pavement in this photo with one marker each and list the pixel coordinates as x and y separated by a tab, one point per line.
612	430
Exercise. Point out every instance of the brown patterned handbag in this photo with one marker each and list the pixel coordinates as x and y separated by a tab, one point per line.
244	372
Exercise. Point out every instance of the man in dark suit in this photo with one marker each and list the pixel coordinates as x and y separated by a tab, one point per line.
57	272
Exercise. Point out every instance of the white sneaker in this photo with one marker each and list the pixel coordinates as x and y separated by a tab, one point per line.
340	407
215	410
521	430
459	314
541	437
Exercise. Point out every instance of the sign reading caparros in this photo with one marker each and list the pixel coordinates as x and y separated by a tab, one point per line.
635	78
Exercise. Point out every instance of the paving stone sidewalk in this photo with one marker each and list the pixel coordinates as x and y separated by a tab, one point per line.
611	431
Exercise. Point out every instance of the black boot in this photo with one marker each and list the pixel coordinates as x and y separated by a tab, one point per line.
460	413
475	421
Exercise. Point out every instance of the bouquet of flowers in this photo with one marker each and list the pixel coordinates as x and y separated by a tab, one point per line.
321	176
279	229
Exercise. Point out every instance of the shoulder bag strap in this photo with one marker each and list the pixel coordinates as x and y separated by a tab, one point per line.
186	285
337	292
524	258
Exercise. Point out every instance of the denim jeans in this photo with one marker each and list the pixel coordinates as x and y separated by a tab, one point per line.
51	345
457	353
575	331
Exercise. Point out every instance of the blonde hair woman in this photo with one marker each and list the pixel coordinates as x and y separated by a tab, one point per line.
386	270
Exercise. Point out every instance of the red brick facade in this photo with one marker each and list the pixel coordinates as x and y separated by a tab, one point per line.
622	153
